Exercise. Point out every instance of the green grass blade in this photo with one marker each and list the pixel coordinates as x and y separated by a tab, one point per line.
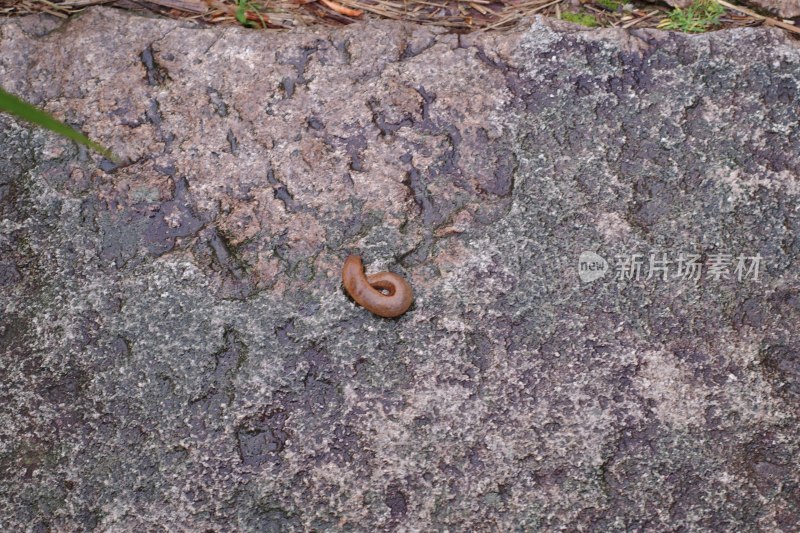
25	111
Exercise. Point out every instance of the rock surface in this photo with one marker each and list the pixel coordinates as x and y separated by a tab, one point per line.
178	354
780	8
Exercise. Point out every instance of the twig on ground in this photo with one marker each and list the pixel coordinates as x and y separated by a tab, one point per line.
339	8
521	12
460	15
767	20
634	22
191	6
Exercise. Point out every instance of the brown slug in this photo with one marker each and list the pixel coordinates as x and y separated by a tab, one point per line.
366	290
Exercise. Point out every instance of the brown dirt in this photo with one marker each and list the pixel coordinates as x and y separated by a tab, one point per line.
460	15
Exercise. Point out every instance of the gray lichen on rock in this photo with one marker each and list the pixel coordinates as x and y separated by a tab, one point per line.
177	351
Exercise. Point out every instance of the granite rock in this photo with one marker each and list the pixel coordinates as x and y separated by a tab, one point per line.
779	8
178	353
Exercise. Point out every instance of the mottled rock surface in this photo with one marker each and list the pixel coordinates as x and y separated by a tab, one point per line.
178	354
781	8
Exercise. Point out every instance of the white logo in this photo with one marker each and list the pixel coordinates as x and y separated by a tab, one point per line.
658	266
591	267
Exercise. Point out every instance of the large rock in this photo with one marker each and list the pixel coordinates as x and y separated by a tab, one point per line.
177	351
780	8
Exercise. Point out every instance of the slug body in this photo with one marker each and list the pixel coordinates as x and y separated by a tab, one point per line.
366	290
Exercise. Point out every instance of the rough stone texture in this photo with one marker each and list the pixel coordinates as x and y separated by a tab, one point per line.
781	8
178	354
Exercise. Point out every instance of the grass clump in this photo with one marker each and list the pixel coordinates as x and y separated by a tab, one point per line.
580	18
696	18
611	5
246	12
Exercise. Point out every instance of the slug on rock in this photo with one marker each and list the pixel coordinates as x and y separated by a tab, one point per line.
366	290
